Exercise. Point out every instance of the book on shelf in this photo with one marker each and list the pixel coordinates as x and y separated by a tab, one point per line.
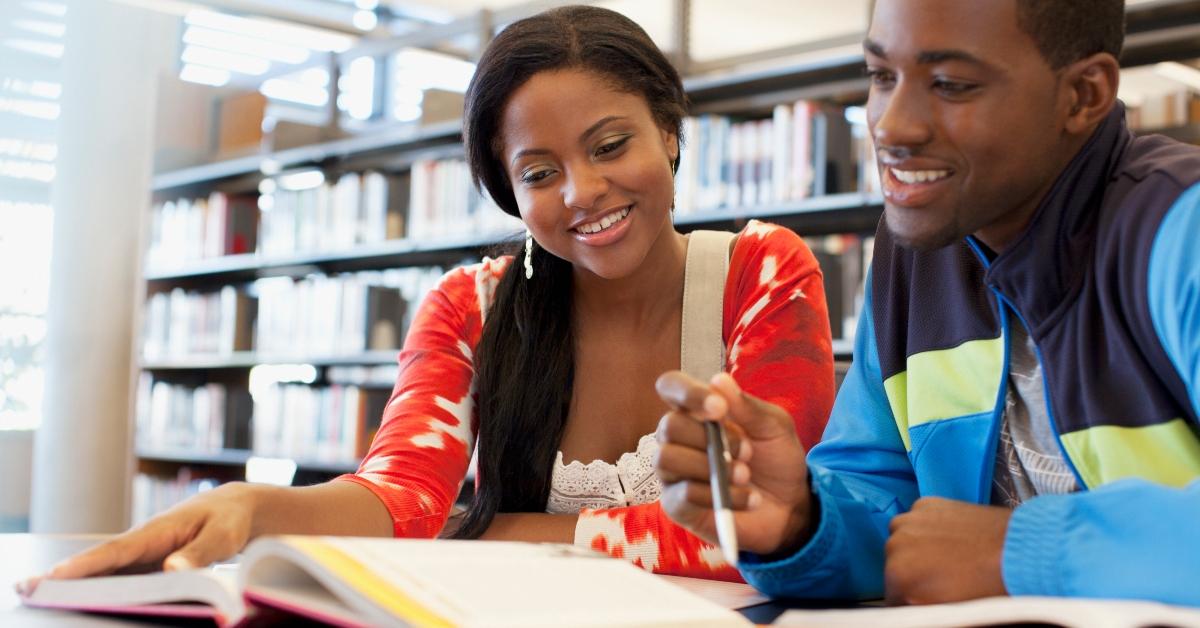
206	418
384	318
327	424
309	317
349	313
804	149
303	213
1004	611
187	230
443	203
402	582
181	322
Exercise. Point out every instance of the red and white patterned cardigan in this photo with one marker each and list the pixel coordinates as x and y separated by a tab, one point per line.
776	333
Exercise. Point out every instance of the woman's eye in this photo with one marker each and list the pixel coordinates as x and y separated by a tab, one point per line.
534	176
609	147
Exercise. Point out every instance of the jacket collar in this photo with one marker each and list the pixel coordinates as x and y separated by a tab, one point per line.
1044	268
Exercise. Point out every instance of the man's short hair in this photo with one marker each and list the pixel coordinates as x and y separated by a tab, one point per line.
1066	31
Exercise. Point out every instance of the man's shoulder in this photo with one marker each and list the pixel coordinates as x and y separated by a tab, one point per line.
1157	159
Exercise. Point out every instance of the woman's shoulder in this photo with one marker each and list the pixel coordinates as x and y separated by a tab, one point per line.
474	284
487	268
763	243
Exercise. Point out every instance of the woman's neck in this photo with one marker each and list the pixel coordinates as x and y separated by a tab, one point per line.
644	299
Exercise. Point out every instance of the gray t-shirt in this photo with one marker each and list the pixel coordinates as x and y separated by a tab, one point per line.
1028	459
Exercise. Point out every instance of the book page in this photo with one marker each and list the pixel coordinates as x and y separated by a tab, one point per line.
475	583
160	594
731	595
1067	612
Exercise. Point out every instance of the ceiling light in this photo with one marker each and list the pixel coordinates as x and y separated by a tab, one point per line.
204	75
242	44
243	64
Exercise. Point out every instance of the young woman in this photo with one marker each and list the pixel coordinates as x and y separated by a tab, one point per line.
547	359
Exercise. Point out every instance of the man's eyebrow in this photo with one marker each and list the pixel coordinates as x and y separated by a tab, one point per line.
874	48
927	57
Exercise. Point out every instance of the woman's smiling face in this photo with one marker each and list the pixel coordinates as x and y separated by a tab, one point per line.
590	169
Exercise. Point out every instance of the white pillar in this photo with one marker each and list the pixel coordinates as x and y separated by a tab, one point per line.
82	453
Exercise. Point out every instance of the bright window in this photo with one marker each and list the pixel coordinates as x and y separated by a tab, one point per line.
31	44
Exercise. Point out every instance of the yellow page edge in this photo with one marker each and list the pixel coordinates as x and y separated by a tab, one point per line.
366	582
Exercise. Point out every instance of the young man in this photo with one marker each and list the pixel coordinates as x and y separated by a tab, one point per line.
1021	415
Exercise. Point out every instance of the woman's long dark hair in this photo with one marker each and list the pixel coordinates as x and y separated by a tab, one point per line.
525	361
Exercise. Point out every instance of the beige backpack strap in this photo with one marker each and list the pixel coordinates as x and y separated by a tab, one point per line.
701	349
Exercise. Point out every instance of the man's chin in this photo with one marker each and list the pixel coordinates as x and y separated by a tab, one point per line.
921	237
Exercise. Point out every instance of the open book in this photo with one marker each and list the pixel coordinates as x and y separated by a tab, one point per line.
996	611
399	582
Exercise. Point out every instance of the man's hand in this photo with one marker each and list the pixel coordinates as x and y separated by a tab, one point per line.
770	480
945	551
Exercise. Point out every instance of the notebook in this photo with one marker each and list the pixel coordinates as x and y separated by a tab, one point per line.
401	582
997	611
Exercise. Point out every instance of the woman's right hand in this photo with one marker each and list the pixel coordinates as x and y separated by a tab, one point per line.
211	526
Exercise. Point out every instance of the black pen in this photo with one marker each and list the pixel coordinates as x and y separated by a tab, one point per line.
719	463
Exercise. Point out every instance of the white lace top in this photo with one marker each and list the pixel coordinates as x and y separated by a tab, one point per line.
599	484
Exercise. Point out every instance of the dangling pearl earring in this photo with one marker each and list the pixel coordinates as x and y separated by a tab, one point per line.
528	254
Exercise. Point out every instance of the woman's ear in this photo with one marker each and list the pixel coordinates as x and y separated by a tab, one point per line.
671	143
1091	85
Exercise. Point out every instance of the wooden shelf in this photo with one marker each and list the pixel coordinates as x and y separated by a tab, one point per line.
826	214
224	457
380	141
248	359
389	254
236	458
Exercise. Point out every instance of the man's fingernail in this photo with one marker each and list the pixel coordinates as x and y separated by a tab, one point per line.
741	474
743	453
714	406
755	499
177	562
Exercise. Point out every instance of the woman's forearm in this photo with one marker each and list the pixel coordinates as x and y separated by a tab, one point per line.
332	508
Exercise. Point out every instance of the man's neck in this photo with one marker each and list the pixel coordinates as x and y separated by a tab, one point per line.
1008	228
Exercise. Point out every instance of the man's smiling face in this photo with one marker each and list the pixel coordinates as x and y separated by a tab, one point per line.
967	118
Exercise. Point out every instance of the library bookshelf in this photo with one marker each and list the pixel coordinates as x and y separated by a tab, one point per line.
235	283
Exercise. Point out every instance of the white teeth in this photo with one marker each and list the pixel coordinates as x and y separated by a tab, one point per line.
919	176
604	223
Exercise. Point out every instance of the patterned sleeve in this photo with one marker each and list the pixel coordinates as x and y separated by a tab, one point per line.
777	336
419	457
777	327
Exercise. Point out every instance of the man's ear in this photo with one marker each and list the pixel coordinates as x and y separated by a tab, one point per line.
1091	85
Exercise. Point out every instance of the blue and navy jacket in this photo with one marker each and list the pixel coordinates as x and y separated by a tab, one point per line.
1107	280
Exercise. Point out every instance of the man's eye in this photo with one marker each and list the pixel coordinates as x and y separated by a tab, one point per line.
953	88
881	78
